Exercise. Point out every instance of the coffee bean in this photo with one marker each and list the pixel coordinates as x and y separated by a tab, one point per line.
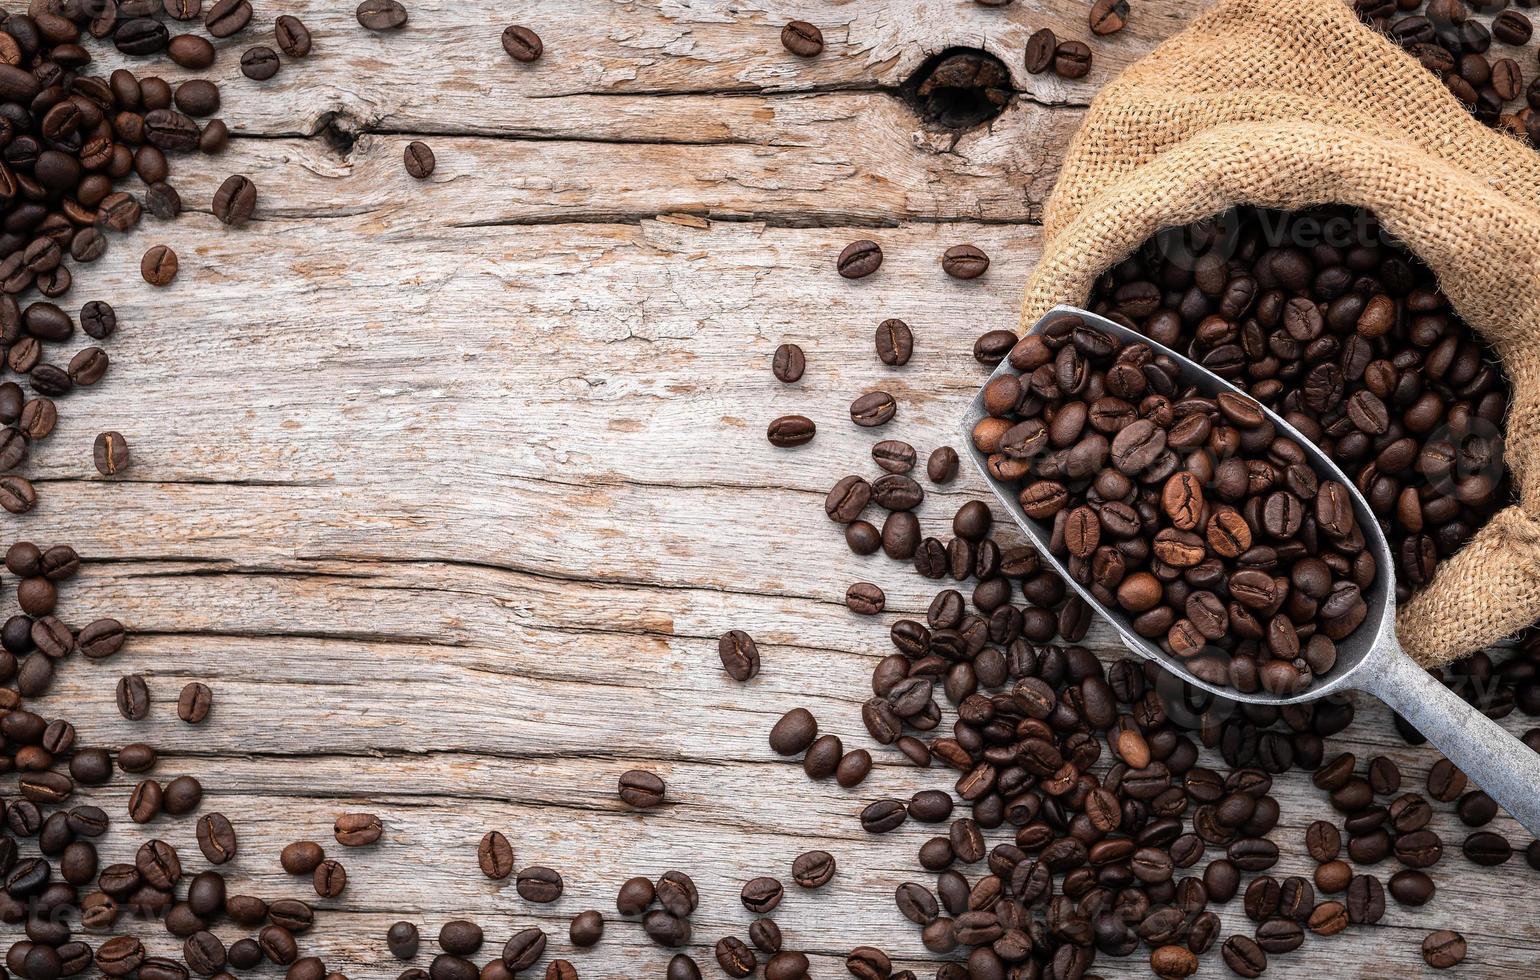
964	262
235	200
1243	956
419	160
895	342
681	967
739	655
762	895
641	790
1323	841
539	884
357	829
791	430
859	259
865	599
1109	17
402	940
293	36
133	697
259	63
587	929
1512	27
1443	949
1411	887
787	965
802	39
894	456
159	265
192	705
788	363
635	895
1365	900
883	816
813	869
495	855
853	768
677	894
1487	849
1071	59
227	17
385	15
942	465
794	732
524	949
873	409
735	958
1040	51
216	838
1445	781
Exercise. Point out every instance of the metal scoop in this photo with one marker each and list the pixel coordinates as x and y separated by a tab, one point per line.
1369	660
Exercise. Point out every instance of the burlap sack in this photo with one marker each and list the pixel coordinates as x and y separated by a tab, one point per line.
1291	103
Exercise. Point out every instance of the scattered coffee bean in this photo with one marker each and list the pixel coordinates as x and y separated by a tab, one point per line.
641	790
110	453
419	160
381	15
159	265
802	39
1443	949
788	363
859	259
964	262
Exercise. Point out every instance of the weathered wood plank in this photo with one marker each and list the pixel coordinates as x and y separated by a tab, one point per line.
447	488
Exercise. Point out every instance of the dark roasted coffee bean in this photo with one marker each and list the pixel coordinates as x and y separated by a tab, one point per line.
159	265
964	262
1443	949
193	704
791	430
133	697
587	929
1040	51
635	895
895	342
802	39
858	259
524	949
873	409
259	63
390	15
813	869
641	790
293	36
761	895
739	655
677	894
419	160
788	363
539	884
216	838
794	732
495	855
235	200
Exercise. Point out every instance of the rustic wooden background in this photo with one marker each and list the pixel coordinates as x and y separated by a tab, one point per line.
448	488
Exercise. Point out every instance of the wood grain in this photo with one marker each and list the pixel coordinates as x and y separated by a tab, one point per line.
447	488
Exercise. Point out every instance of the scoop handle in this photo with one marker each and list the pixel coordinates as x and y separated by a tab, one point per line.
1504	767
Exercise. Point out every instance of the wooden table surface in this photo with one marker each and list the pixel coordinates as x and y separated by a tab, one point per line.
447	488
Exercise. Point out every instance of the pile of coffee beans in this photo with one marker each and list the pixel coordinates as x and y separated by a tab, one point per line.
54	886
1085	790
1322	318
1191	514
69	138
1454	40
